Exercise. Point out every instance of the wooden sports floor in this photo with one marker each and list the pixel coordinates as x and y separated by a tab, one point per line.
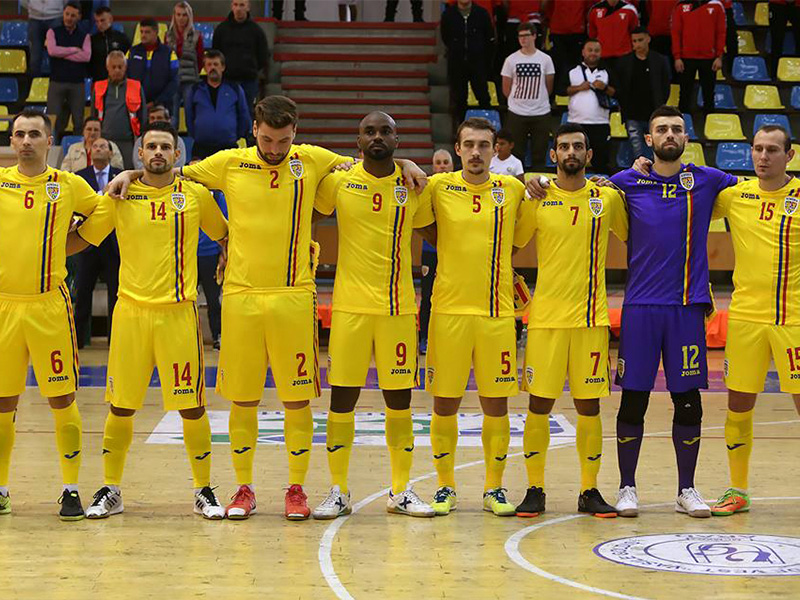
158	548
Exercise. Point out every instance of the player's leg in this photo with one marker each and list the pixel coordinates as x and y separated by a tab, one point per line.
8	417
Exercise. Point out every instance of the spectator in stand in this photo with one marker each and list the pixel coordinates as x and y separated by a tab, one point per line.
656	16
528	79
391	10
567	22
348	11
79	154
643	78
187	44
587	82
70	48
119	103
103	259
160	113
503	162
442	161
731	36
155	65
611	23
43	15
104	41
246	50
468	34
698	43
299	10
216	111
517	12
780	13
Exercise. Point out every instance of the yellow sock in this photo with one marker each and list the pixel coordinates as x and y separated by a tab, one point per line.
68	441
589	441
243	427
535	442
7	434
400	442
298	430
339	443
197	438
117	438
495	436
739	440
444	438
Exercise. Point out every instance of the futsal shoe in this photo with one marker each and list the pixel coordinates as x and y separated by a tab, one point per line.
444	501
628	502
408	503
494	501
337	504
243	505
591	501
296	504
533	504
690	502
206	504
71	507
5	504
106	502
731	502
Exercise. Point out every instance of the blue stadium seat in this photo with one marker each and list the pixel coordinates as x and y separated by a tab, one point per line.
88	86
734	156
738	14
68	140
795	98
723	97
769	119
189	143
14	33
9	91
625	155
45	63
491	115
687	118
750	68
788	43
207	30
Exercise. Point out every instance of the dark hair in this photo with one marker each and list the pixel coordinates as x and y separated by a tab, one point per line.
639	29
158	108
90	120
148	22
161	126
101	10
477	123
32	113
570	128
276	111
787	140
664	111
589	41
214	53
75	5
527	26
505	134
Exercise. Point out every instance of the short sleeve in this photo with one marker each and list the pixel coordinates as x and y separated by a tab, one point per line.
325	160
727	180
424	215
722	205
619	214
525	224
101	222
327	191
549	67
84	197
212	221
508	68
518	168
210	171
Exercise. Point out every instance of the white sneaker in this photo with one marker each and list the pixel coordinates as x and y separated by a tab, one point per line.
206	504
335	505
106	502
691	502
408	503
627	502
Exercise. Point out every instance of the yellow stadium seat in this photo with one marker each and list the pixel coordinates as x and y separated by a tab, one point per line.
473	101
789	69
617	128
693	153
241	143
762	14
723	127
674	94
12	61
794	164
3	113
39	88
162	30
762	97
562	100
747	44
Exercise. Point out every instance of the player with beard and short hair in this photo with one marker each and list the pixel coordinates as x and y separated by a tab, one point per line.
374	309
568	327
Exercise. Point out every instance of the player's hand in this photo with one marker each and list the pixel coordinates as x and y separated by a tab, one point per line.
117	188
679	65
417	177
222	262
643	165
537	187
345	166
717	64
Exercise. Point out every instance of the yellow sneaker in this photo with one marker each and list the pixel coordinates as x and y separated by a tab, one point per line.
444	501
5	504
494	501
732	501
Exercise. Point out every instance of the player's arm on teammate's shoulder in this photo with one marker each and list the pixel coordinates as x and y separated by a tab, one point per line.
413	174
325	199
537	187
722	203
619	214
117	188
526	222
642	165
95	227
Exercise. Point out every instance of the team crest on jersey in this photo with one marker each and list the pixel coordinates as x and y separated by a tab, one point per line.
621	367
529	375
431	373
499	196
53	190
401	194
790	205
596	206
296	167
179	201
687	180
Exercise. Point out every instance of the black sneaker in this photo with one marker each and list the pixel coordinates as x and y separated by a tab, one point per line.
71	508
533	504
590	501
215	345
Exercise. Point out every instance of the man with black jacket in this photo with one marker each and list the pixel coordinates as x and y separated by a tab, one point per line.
104	41
643	79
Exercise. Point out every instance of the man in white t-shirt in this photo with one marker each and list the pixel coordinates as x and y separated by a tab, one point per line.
585	82
503	162
528	77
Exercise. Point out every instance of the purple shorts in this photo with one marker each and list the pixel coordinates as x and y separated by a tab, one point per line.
674	334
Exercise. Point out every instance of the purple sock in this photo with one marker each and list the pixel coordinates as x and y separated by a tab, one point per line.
686	439
629	442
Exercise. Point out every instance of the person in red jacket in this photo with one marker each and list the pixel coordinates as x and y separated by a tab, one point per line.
698	44
611	22
567	22
780	13
656	17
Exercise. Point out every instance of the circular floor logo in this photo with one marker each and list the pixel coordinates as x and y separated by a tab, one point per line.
707	553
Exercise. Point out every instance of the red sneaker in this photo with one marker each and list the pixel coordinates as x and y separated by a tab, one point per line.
296	504
243	505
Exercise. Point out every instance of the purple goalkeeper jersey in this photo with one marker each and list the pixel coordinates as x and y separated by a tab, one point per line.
668	233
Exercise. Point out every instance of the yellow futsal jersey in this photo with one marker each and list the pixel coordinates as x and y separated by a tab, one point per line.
35	216
476	228
571	245
766	243
376	217
157	230
269	213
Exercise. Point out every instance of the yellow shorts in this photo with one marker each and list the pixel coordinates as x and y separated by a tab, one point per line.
456	342
269	328
353	337
747	355
580	353
164	336
40	329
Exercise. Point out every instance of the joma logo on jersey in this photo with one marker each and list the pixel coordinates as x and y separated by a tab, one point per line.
8	184
183	392
454	188
355	186
244	165
137	197
401	371
55	378
595	380
746	196
690	372
509	379
306	381
645	182
552	203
